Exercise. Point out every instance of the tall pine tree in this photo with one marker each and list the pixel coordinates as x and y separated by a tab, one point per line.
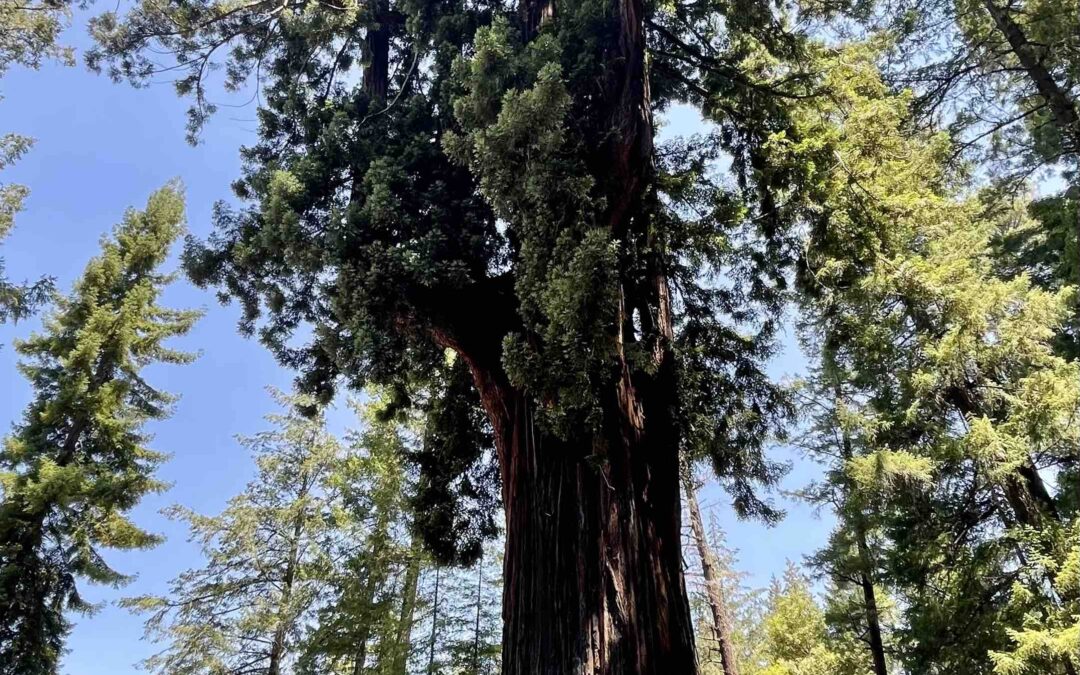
952	371
79	461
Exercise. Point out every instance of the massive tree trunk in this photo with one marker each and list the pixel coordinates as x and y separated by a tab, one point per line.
593	579
593	562
710	569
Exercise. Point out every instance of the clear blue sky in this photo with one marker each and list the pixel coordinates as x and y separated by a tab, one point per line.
103	147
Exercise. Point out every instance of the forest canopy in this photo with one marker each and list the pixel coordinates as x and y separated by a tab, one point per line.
558	321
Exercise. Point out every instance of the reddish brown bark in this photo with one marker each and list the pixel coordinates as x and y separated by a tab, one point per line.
593	576
593	564
376	72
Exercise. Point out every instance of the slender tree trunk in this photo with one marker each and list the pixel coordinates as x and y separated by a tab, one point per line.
476	627
1065	111
434	625
396	660
375	577
277	645
360	660
870	605
866	562
405	619
710	567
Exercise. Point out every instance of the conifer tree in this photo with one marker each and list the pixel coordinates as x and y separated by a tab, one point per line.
796	638
267	559
16	300
29	35
79	461
859	478
485	178
1003	76
955	369
365	623
721	627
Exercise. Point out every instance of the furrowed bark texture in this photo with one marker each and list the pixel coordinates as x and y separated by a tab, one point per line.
593	564
593	580
376	71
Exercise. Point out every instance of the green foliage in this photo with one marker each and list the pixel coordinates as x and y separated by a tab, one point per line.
472	204
29	33
360	623
16	300
28	36
266	558
457	495
951	371
796	638
78	462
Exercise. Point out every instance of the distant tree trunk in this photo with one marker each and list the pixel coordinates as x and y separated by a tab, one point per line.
360	660
434	625
866	565
277	645
476	627
405	619
1065	110
870	605
710	567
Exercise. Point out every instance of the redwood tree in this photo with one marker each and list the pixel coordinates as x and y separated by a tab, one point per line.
484	180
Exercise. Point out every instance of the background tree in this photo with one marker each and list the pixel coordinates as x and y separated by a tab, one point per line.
78	462
796	637
491	185
29	34
721	627
267	559
741	607
16	300
955	366
365	624
1003	76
